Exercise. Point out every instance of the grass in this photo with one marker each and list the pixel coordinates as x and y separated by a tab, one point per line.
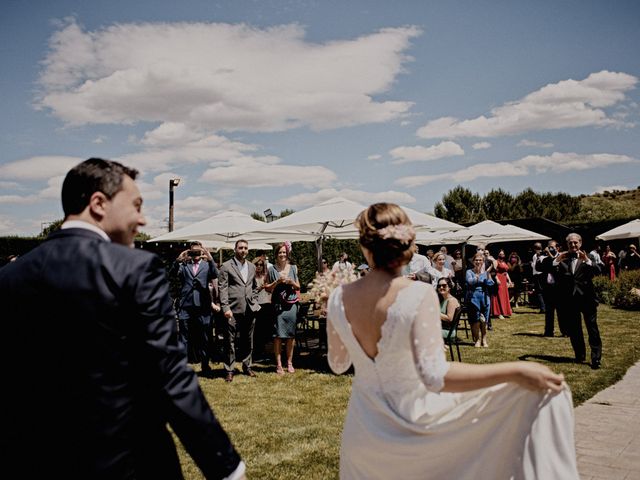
289	427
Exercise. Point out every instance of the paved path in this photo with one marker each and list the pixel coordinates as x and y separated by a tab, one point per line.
608	431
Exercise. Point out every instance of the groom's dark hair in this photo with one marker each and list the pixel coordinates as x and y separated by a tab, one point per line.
92	175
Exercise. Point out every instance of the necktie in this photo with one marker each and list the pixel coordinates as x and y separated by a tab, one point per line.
195	267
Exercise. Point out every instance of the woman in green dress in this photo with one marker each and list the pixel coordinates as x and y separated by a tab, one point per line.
284	284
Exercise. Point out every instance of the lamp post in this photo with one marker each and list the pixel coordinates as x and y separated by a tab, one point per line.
173	182
268	215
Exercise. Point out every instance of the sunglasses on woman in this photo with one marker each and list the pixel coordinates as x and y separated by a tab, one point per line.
443	285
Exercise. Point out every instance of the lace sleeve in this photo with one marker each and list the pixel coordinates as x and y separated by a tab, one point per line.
427	344
337	354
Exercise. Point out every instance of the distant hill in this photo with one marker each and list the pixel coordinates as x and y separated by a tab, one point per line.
615	205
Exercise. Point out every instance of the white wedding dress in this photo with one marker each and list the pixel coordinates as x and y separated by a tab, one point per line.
399	427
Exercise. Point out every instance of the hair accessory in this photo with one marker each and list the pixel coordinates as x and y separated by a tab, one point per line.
287	246
404	233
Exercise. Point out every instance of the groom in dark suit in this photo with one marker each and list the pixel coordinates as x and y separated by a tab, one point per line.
94	370
239	301
577	298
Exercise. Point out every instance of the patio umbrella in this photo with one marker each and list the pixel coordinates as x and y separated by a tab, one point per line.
335	218
484	232
226	226
628	230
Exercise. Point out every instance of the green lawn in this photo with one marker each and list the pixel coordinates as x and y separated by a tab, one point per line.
289	427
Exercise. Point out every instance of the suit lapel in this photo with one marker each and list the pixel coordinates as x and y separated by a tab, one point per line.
237	270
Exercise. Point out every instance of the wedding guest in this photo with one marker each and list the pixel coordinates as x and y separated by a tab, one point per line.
632	259
116	373
448	303
342	264
195	270
609	260
550	289
265	316
401	418
448	259
500	304
325	267
439	270
478	300
515	274
284	283
239	300
538	277
577	299
418	263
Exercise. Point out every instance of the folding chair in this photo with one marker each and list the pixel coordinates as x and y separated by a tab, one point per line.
302	325
450	335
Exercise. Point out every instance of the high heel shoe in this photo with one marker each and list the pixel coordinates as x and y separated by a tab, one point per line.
290	368
279	370
477	344
485	344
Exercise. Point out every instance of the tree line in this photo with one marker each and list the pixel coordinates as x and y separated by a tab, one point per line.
461	205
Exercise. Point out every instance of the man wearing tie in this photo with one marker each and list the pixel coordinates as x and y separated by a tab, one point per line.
239	302
195	269
576	298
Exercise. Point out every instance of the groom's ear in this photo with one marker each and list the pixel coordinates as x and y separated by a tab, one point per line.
98	205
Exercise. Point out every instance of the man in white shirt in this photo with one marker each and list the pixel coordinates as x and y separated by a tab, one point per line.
343	264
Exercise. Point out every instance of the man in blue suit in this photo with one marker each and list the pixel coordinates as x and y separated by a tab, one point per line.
94	370
195	270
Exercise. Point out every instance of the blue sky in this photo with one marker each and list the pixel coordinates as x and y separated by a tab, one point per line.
283	104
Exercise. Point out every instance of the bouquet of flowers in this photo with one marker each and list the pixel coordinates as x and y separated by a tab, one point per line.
324	283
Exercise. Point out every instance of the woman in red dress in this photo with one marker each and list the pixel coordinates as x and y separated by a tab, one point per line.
500	304
609	260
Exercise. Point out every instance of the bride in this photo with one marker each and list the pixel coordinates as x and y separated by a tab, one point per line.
413	415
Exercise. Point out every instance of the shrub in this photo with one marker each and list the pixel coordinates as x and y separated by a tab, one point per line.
627	291
604	289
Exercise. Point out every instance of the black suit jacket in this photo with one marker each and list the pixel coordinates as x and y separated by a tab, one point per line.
93	370
576	289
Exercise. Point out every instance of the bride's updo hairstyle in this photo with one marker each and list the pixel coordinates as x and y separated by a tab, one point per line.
386	231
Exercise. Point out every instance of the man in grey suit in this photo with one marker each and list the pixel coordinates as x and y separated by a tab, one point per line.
239	301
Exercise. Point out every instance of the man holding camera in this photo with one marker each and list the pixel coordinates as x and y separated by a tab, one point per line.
577	298
195	269
549	285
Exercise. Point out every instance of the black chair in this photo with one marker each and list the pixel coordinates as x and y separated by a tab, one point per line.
302	325
464	318
450	335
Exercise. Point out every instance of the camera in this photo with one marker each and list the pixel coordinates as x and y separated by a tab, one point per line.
193	253
552	250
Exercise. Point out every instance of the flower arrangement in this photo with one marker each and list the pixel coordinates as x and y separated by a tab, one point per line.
324	283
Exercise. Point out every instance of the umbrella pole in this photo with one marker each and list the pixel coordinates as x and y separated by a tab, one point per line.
319	242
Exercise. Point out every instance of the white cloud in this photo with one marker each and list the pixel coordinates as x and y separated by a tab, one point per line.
220	76
9	185
263	171
18	199
529	165
366	198
53	190
481	146
374	157
566	104
533	143
39	168
163	152
419	153
7	225
99	140
611	188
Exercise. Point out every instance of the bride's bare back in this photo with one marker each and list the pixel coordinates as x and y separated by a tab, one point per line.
366	303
